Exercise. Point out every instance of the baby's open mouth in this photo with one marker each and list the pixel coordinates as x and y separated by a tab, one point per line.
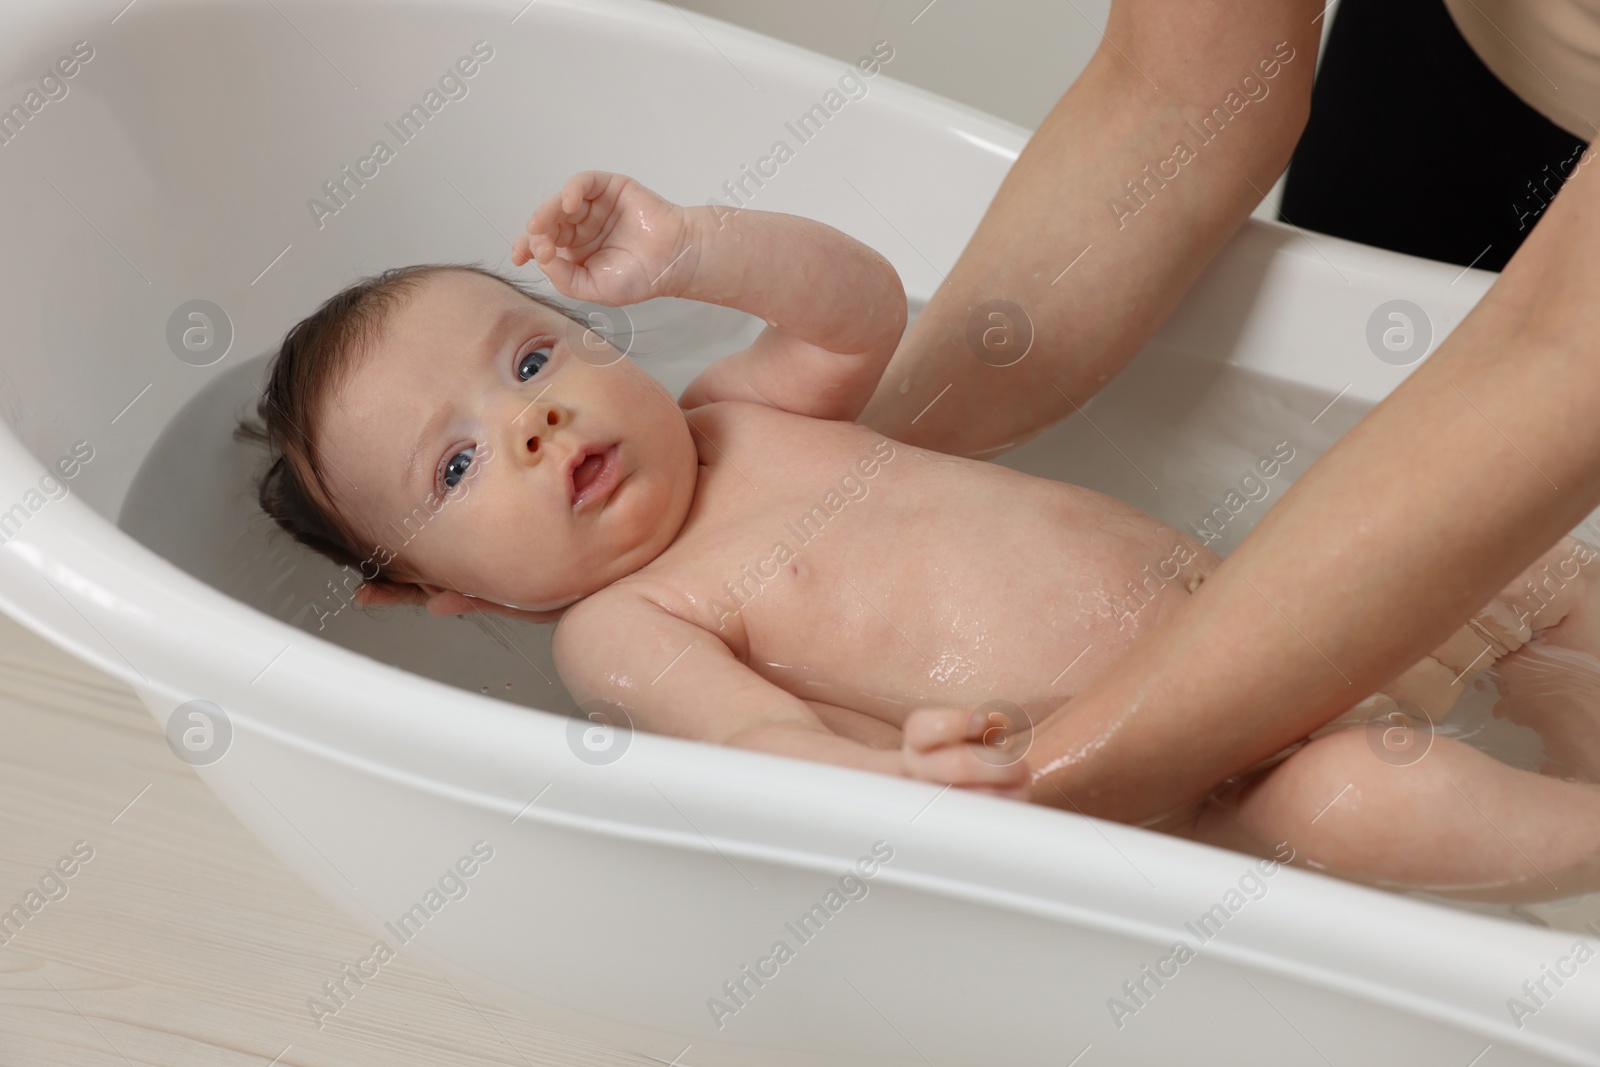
594	475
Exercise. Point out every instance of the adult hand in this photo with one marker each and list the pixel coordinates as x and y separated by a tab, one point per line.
1341	587
1094	280
1500	429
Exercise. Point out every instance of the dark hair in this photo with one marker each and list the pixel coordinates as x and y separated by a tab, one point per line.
317	353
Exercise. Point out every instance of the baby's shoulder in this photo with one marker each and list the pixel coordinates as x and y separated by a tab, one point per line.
733	412
633	613
736	420
612	616
622	598
628	605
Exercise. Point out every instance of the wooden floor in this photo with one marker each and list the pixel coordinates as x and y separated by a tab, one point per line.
182	942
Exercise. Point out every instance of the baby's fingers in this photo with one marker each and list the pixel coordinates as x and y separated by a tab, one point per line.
521	251
930	728
581	188
561	271
560	215
980	749
999	726
539	251
547	219
964	765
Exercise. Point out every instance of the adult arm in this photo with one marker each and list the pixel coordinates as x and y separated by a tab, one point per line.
1461	477
1162	70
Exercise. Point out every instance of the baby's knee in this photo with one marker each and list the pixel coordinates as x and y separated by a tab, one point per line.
1333	797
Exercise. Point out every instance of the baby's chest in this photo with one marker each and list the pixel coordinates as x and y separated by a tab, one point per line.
782	554
865	573
851	590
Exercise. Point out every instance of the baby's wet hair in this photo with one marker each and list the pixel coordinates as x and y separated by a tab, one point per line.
317	354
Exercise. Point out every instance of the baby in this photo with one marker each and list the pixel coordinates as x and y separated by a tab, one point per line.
748	566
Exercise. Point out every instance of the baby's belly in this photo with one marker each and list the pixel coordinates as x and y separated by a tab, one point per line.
958	613
857	725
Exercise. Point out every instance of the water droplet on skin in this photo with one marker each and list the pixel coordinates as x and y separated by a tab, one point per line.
619	680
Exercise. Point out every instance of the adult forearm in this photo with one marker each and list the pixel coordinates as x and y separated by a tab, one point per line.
1104	221
1475	465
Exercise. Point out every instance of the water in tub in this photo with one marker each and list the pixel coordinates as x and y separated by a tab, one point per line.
1202	445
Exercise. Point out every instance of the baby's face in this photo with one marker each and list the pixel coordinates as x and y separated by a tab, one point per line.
476	445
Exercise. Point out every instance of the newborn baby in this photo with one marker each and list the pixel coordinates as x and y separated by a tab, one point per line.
748	566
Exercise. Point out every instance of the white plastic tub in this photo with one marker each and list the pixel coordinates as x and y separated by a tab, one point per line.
375	752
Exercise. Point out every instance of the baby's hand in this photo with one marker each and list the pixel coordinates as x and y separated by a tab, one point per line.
607	238
936	748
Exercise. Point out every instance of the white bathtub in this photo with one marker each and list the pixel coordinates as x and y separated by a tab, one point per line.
621	896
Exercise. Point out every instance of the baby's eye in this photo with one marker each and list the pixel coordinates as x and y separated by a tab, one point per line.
529	364
456	467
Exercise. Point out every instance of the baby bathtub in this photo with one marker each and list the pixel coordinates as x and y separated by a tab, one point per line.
186	194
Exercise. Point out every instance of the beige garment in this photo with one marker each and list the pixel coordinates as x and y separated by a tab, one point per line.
1545	51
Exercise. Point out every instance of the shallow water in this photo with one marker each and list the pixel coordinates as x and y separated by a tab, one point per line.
1175	435
1182	438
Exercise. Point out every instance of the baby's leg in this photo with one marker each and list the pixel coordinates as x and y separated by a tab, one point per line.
1539	639
1552	683
1448	817
1455	822
1498	633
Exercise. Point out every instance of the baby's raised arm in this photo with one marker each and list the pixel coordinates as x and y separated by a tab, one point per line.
835	309
674	677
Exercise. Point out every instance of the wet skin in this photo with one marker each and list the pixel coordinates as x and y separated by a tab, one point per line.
749	566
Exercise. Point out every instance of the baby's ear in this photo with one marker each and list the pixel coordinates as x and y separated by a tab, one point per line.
442	601
450	602
377	595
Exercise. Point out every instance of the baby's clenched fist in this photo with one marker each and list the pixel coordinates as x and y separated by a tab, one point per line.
606	238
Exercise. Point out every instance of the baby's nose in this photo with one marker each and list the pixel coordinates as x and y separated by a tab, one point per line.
539	424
